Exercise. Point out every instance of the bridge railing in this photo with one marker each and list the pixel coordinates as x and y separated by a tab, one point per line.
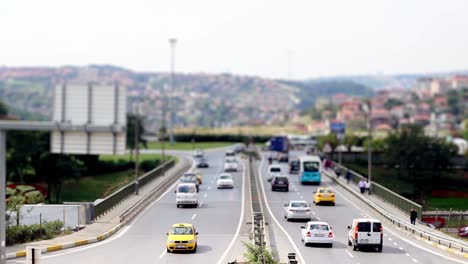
402	203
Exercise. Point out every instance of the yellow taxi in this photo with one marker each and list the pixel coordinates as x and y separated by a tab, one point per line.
324	195
182	237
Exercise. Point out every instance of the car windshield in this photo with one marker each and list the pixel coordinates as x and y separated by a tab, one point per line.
188	178
376	227
182	230
225	177
325	191
275	169
319	227
185	189
311	166
281	179
299	204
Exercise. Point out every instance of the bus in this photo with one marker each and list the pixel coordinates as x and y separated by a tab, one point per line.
309	169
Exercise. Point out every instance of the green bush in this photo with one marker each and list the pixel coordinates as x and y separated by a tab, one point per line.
148	165
221	138
26	233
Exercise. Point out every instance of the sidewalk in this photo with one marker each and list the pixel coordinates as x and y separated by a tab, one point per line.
392	209
106	222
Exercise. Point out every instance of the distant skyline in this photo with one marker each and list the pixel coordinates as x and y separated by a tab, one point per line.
276	39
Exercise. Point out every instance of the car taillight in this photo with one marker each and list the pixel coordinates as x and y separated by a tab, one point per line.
332	195
307	210
308	234
318	195
356	232
330	234
381	229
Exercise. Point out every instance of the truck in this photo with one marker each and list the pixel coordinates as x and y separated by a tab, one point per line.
279	143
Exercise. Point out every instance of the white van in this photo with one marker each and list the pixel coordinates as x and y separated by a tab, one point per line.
366	233
274	170
186	194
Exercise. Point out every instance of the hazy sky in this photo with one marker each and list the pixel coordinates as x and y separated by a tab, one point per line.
322	37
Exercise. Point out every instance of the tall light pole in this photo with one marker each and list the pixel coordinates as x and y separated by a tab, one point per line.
172	42
137	144
367	107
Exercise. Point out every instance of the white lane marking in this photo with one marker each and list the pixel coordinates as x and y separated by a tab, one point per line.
414	260
200	204
209	188
400	248
407	254
313	212
318	218
349	253
241	218
390	239
395	244
385	234
163	253
298	193
299	255
205	195
302	197
400	237
194	215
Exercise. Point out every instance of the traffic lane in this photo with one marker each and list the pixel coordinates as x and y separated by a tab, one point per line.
346	213
394	241
276	201
146	234
216	220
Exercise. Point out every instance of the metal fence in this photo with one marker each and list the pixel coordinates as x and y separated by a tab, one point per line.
116	197
387	195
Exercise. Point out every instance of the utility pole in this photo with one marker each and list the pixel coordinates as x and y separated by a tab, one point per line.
137	148
172	42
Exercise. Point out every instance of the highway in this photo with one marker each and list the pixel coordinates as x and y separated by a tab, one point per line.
348	207
144	239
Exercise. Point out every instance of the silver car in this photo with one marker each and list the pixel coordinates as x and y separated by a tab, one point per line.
297	210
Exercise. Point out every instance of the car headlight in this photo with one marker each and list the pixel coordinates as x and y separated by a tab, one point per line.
171	241
191	241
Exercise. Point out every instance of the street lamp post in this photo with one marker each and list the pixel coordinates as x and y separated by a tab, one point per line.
137	146
368	109
172	42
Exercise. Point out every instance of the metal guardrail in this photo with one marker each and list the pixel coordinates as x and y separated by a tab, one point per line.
430	236
118	196
133	210
402	203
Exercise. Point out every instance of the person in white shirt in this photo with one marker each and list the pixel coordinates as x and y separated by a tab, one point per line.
362	186
367	186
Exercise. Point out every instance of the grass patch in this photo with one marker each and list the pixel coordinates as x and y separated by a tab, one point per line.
88	189
440	203
189	145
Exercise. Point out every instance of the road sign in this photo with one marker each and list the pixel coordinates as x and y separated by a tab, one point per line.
89	105
338	127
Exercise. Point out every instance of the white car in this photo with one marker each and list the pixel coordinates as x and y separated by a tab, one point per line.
230	152
186	194
274	170
366	232
297	210
230	166
318	233
225	181
198	153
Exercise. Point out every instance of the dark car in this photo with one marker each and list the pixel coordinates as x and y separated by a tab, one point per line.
294	167
190	178
283	158
202	163
280	183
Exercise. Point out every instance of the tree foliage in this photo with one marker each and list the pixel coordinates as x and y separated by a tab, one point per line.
254	255
3	110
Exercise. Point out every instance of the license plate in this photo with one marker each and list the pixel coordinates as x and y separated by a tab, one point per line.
319	235
180	246
280	182
364	241
326	196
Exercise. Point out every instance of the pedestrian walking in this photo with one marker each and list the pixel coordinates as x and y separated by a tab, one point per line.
413	216
348	176
362	186
368	185
270	159
337	172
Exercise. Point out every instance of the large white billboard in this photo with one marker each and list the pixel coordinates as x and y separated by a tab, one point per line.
89	105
